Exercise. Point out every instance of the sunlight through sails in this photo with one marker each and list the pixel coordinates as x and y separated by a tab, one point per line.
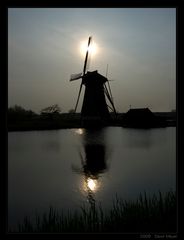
92	49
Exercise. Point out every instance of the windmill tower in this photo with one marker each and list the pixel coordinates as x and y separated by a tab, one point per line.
94	105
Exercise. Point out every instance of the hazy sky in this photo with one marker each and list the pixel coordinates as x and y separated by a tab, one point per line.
138	44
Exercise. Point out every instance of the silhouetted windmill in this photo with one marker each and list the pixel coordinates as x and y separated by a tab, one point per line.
94	103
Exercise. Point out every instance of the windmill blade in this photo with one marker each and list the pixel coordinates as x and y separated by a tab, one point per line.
109	98
78	97
107	94
107	70
109	89
88	61
108	83
75	76
76	169
86	58
110	108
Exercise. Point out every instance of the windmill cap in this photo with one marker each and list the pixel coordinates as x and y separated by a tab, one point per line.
95	77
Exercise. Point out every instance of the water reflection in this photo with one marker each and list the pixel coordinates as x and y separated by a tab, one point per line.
93	161
79	131
92	184
138	138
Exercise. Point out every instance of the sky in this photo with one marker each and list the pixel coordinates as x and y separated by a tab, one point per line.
138	44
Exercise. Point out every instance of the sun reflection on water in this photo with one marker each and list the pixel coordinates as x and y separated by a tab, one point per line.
79	131
91	184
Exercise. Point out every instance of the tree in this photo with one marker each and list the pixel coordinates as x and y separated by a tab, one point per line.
51	112
71	111
51	109
18	113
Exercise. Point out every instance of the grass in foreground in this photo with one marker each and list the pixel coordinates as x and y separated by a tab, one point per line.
146	214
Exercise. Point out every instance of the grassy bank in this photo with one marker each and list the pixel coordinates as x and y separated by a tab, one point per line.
146	214
64	123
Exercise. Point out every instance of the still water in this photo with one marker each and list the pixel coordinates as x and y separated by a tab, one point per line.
65	168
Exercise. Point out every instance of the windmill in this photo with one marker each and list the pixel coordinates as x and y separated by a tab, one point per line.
96	92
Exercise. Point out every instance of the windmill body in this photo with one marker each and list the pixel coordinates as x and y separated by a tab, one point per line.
94	103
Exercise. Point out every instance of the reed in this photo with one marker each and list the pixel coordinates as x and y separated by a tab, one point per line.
146	214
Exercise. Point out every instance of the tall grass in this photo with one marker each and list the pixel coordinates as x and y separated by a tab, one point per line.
146	214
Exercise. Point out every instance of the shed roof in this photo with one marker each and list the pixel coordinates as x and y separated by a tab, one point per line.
141	112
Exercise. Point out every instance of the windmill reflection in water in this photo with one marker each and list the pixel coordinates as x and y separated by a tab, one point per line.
93	161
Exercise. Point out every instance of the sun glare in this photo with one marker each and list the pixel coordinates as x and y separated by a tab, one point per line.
92	49
91	184
79	131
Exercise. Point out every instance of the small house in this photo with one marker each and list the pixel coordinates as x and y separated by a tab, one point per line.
141	118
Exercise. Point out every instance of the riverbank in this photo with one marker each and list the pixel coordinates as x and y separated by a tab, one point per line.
64	121
146	214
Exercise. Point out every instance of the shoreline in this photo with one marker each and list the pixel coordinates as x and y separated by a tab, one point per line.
68	121
42	127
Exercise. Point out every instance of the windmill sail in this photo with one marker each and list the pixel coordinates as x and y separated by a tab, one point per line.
86	58
84	70
75	76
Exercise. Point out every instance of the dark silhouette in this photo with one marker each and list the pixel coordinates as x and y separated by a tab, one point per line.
93	162
20	119
94	109
94	103
17	113
142	118
51	112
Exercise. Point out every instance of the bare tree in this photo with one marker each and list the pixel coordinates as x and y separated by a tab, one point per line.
71	111
51	109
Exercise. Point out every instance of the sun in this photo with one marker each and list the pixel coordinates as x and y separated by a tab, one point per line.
92	49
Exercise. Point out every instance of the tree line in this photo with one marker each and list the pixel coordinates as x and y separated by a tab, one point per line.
16	113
